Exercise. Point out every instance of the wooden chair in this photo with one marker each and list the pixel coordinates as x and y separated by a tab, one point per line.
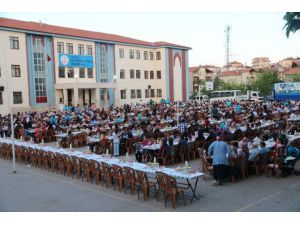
60	163
145	185
85	169
190	154
206	167
52	161
181	153
41	159
274	167
107	174
95	171
118	177
173	191
76	166
33	157
18	152
162	184
68	165
129	178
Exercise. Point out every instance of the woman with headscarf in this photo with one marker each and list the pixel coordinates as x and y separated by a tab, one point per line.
220	151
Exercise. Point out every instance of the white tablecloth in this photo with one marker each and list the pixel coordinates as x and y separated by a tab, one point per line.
99	158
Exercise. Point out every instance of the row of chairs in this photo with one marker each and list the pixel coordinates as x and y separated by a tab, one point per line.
111	175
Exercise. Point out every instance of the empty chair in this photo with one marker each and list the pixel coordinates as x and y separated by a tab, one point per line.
173	191
107	174
95	171
145	185
118	176
129	178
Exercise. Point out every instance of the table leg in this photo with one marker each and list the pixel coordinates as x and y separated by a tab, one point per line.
193	189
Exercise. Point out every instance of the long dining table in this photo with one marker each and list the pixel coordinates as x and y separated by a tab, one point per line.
178	173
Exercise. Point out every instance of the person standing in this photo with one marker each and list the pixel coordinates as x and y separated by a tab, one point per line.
220	151
116	141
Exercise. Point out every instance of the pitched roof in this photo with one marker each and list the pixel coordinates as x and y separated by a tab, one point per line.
292	71
58	30
230	73
193	69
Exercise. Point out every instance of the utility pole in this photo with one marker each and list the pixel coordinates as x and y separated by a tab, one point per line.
227	45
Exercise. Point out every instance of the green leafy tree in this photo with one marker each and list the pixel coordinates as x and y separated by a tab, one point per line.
265	81
292	22
296	78
218	83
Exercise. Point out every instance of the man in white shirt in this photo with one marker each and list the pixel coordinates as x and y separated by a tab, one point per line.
116	141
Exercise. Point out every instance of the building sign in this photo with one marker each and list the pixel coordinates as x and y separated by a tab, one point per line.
81	61
286	91
209	85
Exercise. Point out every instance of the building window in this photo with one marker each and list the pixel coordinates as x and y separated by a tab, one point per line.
15	71
70	72
40	90
61	72
132	94
38	41
158	93
60	47
69	48
158	74
131	74
39	62
145	55
80	49
103	64
146	93
137	54
131	54
14	42
90	72
1	98
123	94
152	75
146	74
122	74
17	97
152	93
121	53
158	57
89	50
151	56
139	93
82	72
138	74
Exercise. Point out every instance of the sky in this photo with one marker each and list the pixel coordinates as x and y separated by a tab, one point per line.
252	34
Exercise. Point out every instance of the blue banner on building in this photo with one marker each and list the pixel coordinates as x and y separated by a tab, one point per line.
81	61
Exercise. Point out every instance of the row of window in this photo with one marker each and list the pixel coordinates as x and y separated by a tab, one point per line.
17	97
136	74
69	48
137	54
138	93
70	72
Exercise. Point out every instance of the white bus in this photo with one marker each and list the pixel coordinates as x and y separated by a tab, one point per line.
226	94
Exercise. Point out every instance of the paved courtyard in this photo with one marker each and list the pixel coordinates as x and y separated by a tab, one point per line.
32	189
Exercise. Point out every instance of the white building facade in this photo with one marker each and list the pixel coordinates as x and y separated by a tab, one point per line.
44	66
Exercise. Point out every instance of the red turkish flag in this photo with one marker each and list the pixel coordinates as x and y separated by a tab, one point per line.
48	58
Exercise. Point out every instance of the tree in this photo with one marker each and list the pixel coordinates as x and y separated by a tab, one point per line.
292	22
218	83
296	78
265	81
